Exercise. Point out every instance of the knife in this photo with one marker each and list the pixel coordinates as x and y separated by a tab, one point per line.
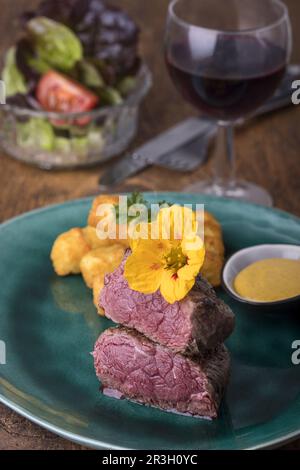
166	143
185	146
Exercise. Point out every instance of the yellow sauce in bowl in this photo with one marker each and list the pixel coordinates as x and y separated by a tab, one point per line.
269	280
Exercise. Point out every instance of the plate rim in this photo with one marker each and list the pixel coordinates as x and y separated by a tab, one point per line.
101	445
56	205
97	443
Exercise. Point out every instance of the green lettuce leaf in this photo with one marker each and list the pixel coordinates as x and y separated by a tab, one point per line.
14	80
110	96
55	43
36	133
89	75
127	85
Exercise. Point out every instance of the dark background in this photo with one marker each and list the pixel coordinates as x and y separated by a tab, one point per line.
267	153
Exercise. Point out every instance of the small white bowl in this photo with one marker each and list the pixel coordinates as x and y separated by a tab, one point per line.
243	258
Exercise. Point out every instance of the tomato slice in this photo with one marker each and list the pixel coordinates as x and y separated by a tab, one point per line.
58	93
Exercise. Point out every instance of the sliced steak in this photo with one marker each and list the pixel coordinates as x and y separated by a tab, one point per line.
131	366
197	323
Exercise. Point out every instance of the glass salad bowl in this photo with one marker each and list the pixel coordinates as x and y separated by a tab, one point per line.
68	140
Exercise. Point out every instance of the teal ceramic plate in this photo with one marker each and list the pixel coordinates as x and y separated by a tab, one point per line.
49	326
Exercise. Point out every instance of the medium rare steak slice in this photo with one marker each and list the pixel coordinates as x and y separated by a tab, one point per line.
131	366
199	322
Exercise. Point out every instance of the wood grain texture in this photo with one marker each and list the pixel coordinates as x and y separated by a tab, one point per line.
267	153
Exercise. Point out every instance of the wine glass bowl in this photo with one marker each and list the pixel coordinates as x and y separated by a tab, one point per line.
227	59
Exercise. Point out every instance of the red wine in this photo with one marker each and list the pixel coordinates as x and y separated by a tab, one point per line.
224	87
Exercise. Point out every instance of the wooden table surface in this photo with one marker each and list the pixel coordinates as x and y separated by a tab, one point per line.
267	153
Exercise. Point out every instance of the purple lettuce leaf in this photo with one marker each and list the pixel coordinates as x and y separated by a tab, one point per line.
107	33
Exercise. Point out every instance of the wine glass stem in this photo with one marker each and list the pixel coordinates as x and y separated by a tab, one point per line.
224	167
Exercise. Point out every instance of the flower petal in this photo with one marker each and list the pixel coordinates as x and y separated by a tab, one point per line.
173	288
192	246
160	245
138	232
188	273
195	257
143	271
176	221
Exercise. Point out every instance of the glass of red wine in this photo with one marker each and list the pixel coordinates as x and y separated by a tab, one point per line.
227	58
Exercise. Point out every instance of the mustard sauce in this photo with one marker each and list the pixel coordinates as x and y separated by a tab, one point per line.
269	280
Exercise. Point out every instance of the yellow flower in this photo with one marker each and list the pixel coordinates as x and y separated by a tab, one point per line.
170	265
141	231
176	222
172	223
